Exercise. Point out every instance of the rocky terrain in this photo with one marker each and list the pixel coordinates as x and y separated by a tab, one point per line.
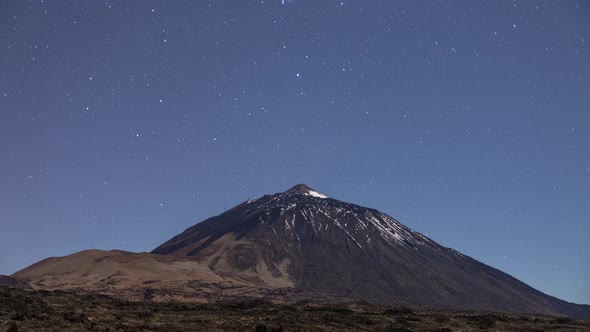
22	310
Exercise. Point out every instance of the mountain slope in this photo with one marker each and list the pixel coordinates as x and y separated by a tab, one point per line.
303	239
133	276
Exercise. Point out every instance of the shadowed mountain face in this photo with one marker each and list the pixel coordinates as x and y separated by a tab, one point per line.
303	239
9	282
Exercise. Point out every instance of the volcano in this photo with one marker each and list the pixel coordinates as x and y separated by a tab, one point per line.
300	244
303	239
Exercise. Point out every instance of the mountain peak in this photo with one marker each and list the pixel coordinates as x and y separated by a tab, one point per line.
300	239
303	189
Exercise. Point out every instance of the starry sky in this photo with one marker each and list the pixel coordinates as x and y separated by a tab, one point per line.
124	122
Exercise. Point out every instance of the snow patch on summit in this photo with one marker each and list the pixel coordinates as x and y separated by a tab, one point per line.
315	194
303	189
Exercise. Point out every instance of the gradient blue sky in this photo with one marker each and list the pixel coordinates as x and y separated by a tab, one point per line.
124	122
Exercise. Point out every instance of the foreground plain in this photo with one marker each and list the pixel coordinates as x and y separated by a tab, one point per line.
25	310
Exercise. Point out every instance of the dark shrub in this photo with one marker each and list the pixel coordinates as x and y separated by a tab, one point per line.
398	311
486	322
264	328
13	328
19	316
563	320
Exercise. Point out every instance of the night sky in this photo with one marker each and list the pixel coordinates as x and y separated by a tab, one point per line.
124	122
